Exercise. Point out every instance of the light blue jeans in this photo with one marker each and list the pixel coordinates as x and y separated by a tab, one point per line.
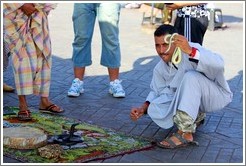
84	16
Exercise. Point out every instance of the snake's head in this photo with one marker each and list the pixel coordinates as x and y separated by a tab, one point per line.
169	38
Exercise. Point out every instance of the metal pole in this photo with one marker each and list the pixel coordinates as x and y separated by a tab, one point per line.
152	13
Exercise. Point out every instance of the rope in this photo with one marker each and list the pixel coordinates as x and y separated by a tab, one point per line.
177	56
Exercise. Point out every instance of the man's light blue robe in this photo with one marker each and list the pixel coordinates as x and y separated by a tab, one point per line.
190	87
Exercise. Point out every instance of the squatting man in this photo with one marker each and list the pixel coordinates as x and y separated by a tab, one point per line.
181	93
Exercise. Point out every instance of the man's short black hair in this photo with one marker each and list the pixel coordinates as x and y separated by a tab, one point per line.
165	29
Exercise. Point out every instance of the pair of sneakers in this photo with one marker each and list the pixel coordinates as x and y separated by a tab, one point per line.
115	88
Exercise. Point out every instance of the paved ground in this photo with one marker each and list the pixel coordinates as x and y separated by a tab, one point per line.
221	137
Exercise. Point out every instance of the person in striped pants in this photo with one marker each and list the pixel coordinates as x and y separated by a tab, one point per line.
191	20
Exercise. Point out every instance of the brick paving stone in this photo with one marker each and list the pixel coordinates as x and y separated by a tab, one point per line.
140	157
224	155
150	131
197	153
138	130
160	155
210	155
112	160
237	156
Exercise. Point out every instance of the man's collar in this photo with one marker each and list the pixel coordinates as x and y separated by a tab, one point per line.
171	64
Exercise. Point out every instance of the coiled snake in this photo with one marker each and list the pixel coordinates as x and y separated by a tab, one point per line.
177	55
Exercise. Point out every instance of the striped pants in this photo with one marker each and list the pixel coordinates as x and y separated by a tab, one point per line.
192	28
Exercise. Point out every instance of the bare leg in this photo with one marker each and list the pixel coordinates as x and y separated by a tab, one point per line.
44	103
79	72
113	73
22	103
24	113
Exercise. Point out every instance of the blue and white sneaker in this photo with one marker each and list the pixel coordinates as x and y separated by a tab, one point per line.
76	88
116	88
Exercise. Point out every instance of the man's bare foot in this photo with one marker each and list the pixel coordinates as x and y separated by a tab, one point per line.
48	107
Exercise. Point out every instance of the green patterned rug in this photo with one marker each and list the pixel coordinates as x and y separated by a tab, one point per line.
98	142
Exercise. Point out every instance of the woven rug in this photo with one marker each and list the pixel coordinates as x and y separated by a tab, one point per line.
98	143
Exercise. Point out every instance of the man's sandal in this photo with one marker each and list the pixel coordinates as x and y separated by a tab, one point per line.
24	115
50	109
171	144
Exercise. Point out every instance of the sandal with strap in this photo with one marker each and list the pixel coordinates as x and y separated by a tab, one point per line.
50	109
200	120
199	123
24	115
173	145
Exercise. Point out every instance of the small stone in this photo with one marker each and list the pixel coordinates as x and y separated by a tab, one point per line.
50	151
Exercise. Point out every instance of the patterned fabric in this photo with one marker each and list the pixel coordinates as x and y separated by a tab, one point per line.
193	11
26	36
184	122
5	56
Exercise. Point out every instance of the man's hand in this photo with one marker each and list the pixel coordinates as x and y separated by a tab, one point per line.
28	9
181	42
136	113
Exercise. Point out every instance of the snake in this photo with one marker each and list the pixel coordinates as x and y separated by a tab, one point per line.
177	56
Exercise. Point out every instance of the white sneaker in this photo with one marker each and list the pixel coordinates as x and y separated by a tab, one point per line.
76	88
116	88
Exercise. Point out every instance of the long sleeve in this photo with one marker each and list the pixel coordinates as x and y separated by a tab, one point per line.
160	83
212	66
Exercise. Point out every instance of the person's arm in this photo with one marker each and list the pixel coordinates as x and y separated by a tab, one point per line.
145	106
208	62
180	5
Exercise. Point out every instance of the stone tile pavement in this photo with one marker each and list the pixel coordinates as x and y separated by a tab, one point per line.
221	138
